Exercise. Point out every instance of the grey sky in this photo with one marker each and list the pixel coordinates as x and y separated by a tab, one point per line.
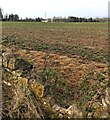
64	8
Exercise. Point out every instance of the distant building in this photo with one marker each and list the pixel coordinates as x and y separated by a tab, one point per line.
47	20
44	20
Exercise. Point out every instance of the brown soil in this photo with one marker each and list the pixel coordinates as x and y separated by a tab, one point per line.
74	69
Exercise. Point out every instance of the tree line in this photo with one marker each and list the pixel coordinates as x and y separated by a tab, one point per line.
15	17
74	19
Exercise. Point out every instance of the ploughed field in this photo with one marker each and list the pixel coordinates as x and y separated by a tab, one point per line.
88	40
69	59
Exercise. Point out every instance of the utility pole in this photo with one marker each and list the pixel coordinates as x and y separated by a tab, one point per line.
45	15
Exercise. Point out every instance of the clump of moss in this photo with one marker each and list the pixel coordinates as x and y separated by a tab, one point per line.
23	65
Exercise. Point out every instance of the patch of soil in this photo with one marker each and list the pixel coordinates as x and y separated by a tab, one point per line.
74	69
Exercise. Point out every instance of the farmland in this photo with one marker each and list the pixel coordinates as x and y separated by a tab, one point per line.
66	38
69	59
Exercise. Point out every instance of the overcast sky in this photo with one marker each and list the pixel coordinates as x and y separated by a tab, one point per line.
64	8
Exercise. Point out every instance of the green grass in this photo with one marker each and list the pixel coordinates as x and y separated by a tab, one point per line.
40	25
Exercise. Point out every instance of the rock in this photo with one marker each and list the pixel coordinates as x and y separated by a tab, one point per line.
4	59
63	111
60	115
8	60
23	82
104	103
71	112
7	83
11	63
107	96
37	88
74	112
56	107
17	72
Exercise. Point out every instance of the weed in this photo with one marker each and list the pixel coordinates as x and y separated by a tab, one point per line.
57	87
100	77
